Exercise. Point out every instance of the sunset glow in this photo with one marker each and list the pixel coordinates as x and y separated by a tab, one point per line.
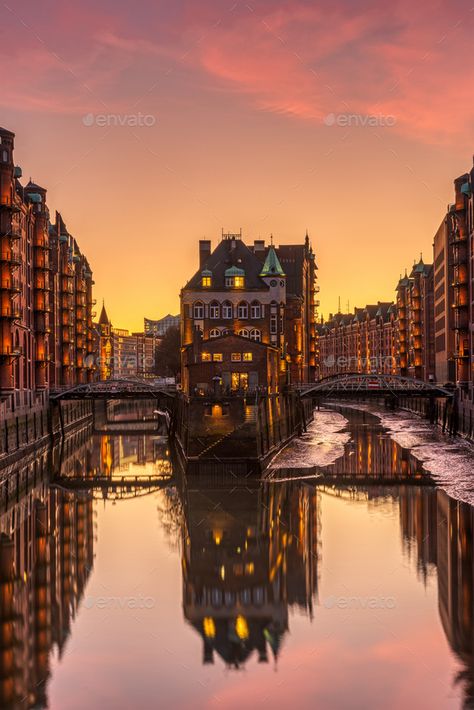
154	128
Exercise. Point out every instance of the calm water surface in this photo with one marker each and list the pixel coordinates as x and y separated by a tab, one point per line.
228	594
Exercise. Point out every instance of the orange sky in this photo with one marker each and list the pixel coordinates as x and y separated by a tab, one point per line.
245	103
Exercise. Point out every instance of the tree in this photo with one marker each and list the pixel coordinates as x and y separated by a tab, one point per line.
168	354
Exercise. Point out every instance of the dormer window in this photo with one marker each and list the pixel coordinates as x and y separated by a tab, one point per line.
235	277
206	278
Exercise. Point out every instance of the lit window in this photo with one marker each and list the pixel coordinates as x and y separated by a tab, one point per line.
198	310
256	335
217	357
227	310
206	281
236	357
248	357
239	282
214	333
242	311
206	357
244	333
214	311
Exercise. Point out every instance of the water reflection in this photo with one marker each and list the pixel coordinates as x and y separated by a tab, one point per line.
251	552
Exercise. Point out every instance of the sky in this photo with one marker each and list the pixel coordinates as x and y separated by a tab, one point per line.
154	124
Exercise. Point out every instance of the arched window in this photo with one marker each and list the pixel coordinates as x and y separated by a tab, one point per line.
255	310
256	335
227	331
244	333
214	310
243	311
198	310
227	310
214	333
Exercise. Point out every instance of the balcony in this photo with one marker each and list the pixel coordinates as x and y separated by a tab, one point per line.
42	307
43	358
12	313
13	233
8	257
6	351
11	285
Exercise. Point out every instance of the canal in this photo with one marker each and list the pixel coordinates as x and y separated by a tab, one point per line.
344	580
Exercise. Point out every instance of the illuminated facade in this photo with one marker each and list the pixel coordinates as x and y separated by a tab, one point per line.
364	341
45	293
415	322
264	294
247	558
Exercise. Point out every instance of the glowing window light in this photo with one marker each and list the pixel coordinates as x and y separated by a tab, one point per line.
241	628
209	627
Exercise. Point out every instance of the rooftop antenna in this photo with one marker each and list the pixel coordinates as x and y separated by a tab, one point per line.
271	239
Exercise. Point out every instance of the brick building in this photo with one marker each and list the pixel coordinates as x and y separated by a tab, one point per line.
45	293
415	326
364	341
248	292
123	354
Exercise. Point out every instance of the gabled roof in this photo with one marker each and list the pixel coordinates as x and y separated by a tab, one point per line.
272	266
229	254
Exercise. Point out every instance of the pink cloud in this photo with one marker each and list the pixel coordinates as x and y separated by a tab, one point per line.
297	58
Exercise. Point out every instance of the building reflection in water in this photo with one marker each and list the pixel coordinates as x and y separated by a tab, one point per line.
46	556
249	553
441	530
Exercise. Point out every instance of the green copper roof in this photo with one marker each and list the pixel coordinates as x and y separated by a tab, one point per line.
272	266
234	271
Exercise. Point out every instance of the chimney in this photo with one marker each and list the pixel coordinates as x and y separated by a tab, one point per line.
259	246
204	251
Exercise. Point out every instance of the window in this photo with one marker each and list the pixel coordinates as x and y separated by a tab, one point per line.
227	310
229	281
248	357
198	310
239	380
239	281
214	310
214	333
243	311
273	324
256	335
5	156
217	357
255	310
244	333
206	357
206	281
236	357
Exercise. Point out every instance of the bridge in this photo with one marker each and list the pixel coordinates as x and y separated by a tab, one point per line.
114	389
353	385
